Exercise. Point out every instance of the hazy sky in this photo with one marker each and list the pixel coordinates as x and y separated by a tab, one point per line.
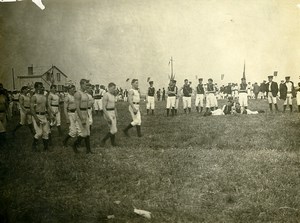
111	40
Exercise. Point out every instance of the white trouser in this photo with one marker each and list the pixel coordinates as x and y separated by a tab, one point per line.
83	126
113	121
218	112
171	100
136	118
151	102
211	100
289	99
272	99
43	129
90	113
249	112
56	114
125	98
25	118
243	99
187	102
98	105
73	131
199	100
298	98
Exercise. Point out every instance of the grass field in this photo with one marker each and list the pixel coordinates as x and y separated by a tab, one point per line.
240	168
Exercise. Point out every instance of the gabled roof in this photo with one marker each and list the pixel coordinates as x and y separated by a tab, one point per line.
40	75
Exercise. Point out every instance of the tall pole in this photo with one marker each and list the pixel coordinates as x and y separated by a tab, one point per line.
13	78
172	67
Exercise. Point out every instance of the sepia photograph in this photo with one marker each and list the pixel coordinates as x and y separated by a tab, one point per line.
165	111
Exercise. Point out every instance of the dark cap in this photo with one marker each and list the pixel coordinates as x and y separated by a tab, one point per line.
270	76
150	82
287	77
186	80
200	79
210	79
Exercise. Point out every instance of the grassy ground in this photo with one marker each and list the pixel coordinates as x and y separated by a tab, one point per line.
243	168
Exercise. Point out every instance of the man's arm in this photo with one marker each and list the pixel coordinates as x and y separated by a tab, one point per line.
130	100
66	104
21	100
104	104
77	98
32	109
49	99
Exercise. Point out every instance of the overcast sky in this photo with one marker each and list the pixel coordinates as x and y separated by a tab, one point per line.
111	40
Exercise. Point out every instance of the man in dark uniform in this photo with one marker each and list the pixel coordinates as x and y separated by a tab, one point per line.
272	91
163	94
187	94
211	101
262	89
199	96
150	98
171	100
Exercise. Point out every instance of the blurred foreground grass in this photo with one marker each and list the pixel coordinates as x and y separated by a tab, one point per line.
243	168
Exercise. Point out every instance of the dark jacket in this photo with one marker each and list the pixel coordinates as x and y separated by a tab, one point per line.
274	88
283	91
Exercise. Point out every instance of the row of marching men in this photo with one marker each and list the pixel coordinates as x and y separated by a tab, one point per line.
208	93
40	112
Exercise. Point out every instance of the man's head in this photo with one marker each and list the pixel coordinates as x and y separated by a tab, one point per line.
39	88
83	84
270	78
71	89
210	81
24	90
151	83
243	80
186	82
287	78
53	88
135	83
112	88
200	80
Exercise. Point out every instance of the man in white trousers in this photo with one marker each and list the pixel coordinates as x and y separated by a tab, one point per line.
150	98
134	108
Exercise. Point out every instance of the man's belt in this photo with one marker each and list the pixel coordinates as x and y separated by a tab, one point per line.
71	110
90	107
136	103
97	97
15	99
243	91
186	95
171	95
83	109
110	109
289	92
26	107
40	113
55	105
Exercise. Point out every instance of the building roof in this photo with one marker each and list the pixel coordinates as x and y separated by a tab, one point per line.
40	75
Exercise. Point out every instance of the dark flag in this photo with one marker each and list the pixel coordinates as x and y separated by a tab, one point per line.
275	73
127	79
148	79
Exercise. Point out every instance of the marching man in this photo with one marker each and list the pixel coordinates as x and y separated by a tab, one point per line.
25	116
110	114
98	94
134	108
69	110
187	96
53	103
150	98
211	101
199	96
288	91
243	95
272	91
4	103
171	99
82	117
38	108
